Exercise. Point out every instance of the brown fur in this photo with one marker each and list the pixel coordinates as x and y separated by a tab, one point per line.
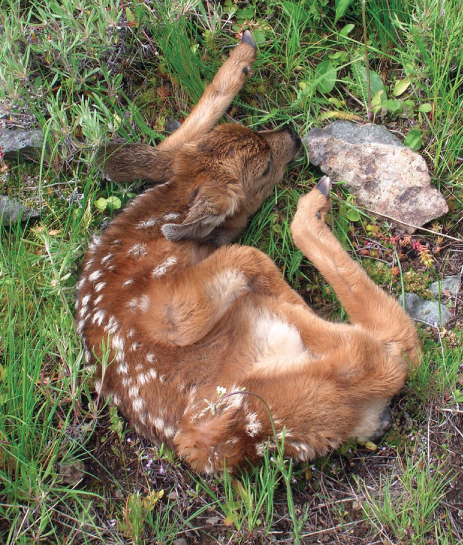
182	312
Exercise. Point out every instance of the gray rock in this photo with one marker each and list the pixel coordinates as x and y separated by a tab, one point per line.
426	311
387	177
449	283
26	141
180	541
72	472
10	211
171	124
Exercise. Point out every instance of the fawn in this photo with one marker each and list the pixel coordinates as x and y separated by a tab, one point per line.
184	316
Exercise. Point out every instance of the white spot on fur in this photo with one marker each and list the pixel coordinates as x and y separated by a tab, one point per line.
134	391
98	299
304	452
95	276
153	373
171	216
253	426
112	326
126	381
98	386
85	300
161	269
81	282
89	264
123	368
138	367
162	378
94	243
87	355
131	333
137	404
147	223
150	358
100	286
135	346
98	317
144	303
137	250
142	378
106	258
81	326
158	423
115	399
169	432
139	303
128	282
118	343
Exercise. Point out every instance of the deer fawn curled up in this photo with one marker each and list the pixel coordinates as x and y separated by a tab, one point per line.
182	314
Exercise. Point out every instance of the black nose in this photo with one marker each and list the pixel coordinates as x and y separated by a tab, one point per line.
290	129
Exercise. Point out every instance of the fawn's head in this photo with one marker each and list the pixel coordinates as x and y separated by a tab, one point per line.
215	183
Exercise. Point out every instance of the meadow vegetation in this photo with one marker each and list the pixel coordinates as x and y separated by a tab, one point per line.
71	469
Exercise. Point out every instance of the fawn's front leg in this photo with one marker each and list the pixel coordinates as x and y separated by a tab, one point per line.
366	304
218	95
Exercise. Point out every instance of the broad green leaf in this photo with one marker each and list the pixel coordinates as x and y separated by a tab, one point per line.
400	87
413	140
326	77
393	106
100	204
376	83
425	108
114	202
371	446
258	35
341	8
129	14
458	396
302	85
378	98
346	30
352	215
335	101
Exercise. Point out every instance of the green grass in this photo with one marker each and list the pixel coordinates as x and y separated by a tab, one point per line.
87	71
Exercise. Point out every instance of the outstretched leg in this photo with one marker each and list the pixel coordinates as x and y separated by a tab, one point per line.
366	304
218	95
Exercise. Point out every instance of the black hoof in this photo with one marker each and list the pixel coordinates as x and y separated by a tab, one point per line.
324	185
248	39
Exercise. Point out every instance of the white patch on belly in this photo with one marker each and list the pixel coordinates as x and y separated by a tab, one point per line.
278	344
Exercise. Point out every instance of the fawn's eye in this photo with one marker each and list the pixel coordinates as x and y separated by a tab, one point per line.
267	170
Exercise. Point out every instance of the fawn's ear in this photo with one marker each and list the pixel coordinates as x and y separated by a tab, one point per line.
127	162
211	204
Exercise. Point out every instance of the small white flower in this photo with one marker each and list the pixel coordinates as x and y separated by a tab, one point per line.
221	391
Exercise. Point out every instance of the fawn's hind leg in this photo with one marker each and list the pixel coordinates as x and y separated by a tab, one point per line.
366	304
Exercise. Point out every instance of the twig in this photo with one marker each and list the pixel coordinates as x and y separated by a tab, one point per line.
414	226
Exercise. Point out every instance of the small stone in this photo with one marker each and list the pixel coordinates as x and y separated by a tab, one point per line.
25	141
356	506
213	520
426	311
171	124
11	211
72	472
387	177
448	283
173	496
180	541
